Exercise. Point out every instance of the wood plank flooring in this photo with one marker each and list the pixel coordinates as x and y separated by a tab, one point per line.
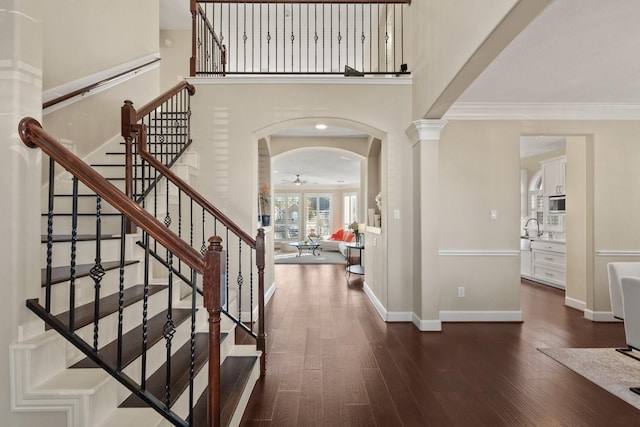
332	361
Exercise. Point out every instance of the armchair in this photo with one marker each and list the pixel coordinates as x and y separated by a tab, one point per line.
618	270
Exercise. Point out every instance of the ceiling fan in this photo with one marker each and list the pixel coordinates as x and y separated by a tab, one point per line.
296	181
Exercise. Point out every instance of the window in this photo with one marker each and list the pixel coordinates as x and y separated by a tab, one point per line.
317	214
287	216
350	208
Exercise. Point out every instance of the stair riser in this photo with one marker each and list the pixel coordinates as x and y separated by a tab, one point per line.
85	252
86	204
85	288
86	225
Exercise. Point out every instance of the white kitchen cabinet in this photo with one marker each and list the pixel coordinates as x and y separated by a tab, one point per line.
549	262
553	176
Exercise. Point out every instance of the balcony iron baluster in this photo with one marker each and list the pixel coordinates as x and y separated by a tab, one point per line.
203	248
49	235
240	280
74	247
251	289
96	273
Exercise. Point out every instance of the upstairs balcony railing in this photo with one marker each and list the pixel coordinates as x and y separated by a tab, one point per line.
351	38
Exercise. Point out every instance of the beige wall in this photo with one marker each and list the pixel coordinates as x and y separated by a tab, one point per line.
175	51
89	36
613	175
229	118
480	172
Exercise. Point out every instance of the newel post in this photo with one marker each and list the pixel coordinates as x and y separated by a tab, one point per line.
128	120
213	277
261	341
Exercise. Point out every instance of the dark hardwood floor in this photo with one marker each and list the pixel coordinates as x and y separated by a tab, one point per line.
332	361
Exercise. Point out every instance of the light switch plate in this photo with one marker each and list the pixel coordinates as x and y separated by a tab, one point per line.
396	214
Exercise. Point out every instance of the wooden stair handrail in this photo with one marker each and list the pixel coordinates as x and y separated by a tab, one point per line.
95	85
33	136
155	103
128	111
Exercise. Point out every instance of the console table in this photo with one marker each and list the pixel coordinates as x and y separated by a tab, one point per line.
313	246
355	268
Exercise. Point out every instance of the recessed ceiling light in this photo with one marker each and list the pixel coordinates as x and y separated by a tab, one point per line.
321	126
340	181
344	158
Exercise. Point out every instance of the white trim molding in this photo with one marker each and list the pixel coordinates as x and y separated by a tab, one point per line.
478	252
574	303
600	316
425	130
375	301
542	111
426	325
337	79
618	253
481	316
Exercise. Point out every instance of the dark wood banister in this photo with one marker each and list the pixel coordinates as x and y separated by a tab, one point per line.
305	1
92	86
34	136
129	111
155	103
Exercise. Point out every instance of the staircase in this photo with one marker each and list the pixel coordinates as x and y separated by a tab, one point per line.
128	320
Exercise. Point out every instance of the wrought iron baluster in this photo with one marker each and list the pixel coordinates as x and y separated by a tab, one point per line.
386	37
203	248
123	224
74	244
49	234
251	288
169	329
96	273
192	357
239	280
145	306
244	37
362	36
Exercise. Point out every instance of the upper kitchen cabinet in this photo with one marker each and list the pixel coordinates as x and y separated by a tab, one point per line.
553	173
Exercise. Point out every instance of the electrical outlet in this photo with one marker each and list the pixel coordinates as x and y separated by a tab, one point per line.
460	291
494	214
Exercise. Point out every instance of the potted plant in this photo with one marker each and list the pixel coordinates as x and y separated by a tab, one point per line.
265	206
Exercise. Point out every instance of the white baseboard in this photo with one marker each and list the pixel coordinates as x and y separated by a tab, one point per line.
481	316
600	316
574	303
375	301
269	293
426	325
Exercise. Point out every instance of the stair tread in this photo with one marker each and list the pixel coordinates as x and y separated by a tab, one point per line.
234	375
57	238
179	381
108	305
63	273
132	340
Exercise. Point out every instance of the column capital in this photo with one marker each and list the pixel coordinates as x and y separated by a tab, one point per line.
425	130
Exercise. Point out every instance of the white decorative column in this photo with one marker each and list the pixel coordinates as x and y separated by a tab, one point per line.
425	137
20	171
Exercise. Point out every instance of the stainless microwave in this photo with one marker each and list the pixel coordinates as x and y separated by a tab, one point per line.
557	204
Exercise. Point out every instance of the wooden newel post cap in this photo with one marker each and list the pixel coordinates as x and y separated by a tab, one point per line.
215	243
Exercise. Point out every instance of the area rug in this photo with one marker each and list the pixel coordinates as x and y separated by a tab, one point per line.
605	367
323	257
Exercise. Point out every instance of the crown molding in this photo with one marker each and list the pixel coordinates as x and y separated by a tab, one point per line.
542	111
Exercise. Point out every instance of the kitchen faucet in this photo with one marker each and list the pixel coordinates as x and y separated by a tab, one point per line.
526	230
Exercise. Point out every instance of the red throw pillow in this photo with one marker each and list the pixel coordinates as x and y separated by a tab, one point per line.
338	235
349	238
